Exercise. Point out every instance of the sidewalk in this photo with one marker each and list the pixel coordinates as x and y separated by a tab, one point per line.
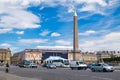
7	76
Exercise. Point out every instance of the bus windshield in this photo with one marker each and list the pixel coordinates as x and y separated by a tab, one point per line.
65	62
81	63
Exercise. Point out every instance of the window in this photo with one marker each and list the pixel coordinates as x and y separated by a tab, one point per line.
77	63
99	65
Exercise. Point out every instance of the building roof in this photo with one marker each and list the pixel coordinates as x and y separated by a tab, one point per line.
55	58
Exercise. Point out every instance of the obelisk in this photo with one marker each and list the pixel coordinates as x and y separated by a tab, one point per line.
75	36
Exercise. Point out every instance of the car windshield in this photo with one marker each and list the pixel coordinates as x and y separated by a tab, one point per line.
105	64
33	64
52	64
81	63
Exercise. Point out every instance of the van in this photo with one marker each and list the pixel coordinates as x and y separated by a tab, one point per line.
78	65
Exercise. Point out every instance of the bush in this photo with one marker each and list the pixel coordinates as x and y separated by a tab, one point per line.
112	59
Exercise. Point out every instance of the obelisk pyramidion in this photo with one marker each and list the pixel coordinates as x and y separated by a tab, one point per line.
75	36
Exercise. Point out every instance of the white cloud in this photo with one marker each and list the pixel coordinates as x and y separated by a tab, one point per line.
44	33
55	47
71	5
5	45
94	6
15	49
62	42
32	41
110	41
87	33
86	8
41	8
55	34
87	5
3	30
14	14
20	32
19	19
114	37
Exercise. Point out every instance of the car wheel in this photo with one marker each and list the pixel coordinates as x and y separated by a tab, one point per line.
104	70
78	68
72	68
85	68
93	70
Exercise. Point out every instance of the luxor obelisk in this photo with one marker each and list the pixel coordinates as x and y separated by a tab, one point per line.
75	37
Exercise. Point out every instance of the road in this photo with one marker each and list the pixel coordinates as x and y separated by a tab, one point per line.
62	74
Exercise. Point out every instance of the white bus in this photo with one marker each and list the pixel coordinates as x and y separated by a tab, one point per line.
57	60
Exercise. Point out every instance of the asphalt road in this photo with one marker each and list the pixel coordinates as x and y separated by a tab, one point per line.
62	74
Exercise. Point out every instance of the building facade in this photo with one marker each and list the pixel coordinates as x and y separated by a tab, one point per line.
87	57
5	56
37	55
32	55
16	58
107	54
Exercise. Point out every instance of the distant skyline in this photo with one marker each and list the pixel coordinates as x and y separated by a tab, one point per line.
48	24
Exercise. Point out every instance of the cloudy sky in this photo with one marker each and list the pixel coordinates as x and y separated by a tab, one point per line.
49	24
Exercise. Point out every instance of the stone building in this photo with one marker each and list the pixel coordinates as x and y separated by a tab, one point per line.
114	53
16	58
107	54
37	55
5	56
32	55
87	57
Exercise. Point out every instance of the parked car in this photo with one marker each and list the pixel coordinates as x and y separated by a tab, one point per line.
32	65
90	65
23	64
101	67
78	65
2	64
51	66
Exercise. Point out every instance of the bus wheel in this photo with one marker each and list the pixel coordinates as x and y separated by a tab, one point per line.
72	68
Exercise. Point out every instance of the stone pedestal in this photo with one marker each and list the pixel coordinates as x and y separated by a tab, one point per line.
75	56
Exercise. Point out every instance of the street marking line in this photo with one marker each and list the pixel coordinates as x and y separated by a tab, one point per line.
103	78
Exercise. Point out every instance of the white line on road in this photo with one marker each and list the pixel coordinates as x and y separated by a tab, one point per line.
101	78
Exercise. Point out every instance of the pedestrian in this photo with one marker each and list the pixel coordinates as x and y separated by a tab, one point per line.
7	68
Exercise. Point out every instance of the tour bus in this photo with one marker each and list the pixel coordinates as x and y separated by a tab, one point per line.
57	60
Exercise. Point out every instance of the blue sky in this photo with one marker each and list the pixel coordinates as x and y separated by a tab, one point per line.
48	24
